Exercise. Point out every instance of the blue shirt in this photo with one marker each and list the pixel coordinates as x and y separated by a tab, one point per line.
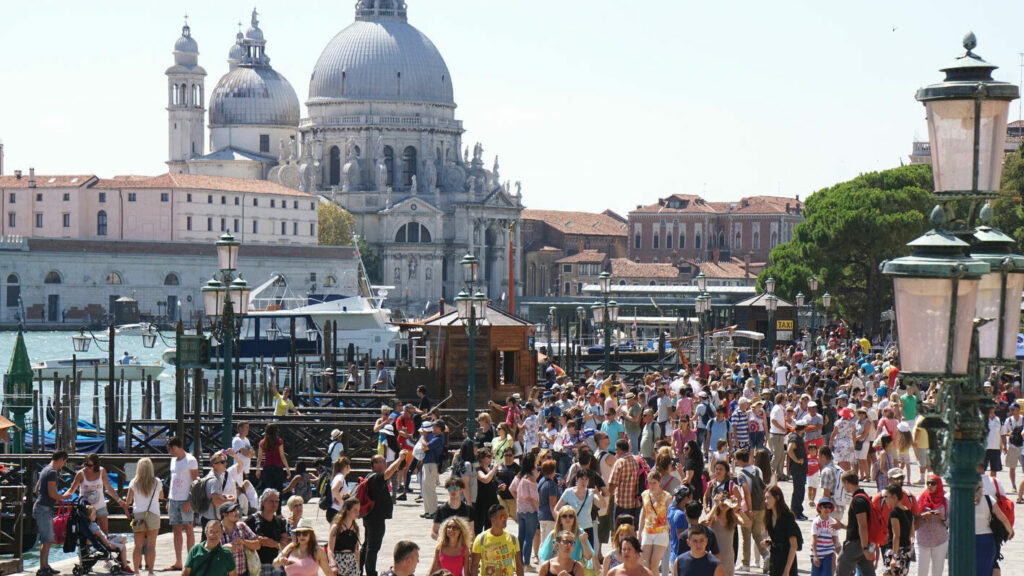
717	431
676	522
435	448
613	430
548	489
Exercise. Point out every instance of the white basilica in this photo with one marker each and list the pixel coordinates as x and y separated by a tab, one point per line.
380	139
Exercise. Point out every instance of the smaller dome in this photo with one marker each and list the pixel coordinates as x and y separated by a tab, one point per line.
186	44
254	96
254	33
186	51
237	51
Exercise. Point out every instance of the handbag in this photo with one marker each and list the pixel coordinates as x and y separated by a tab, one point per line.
139	524
60	524
252	562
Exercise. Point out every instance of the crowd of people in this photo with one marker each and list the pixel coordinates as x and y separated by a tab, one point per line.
676	472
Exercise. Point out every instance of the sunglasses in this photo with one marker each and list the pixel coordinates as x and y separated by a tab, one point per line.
932	483
452	527
566	542
219	462
302	535
454	489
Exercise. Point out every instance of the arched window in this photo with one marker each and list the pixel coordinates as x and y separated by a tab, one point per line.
775	238
101	223
13	290
532	280
408	165
174	95
113	278
330	282
181	94
195	95
682	240
52	277
696	240
737	244
171	279
334	170
12	279
756	240
721	239
389	165
412	233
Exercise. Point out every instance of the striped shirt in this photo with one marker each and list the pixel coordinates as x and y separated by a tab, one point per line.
824	532
741	428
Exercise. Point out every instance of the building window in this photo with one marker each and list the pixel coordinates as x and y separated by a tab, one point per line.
656	241
737	243
188	197
568	289
413	232
13	290
52	277
312	205
330	282
165	197
408	165
223	224
171	279
284	228
312	276
334	167
209	198
255	201
264	143
255	227
272	203
237	200
566	268
113	278
682	240
223	200
295	204
696	240
67	197
636	241
295	228
756	240
312	229
12	219
39	219
668	241
39	196
235	227
209	224
389	166
132	196
579	288
188	222
11	198
66	220
103	197
775	239
101	223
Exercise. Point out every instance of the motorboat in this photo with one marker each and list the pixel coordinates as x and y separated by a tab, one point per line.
95	369
136	329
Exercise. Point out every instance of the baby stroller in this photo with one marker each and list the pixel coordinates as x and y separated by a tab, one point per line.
91	549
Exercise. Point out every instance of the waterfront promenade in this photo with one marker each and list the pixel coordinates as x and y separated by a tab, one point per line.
407	525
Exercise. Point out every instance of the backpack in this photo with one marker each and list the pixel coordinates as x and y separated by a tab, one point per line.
363	495
198	496
641	476
708	414
878	532
756	490
1005	504
324	491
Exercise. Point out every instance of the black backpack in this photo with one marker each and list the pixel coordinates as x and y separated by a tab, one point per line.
324	491
757	488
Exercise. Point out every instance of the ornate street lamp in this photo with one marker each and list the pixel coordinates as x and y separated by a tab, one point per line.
812	283
581	315
703	305
826	303
796	323
771	302
609	314
940	287
221	298
471	306
552	310
80	341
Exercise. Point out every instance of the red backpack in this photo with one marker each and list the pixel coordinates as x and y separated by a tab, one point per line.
1005	504
363	495
878	532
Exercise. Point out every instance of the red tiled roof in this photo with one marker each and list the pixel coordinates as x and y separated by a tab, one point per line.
549	249
585	256
626	268
728	269
202	182
766	205
43	181
692	204
688	203
587	223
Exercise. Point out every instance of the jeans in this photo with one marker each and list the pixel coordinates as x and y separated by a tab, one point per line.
932	560
851	558
757	439
634	442
374	539
796	503
826	566
528	526
984	554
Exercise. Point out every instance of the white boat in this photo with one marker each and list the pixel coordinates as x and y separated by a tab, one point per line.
95	368
136	329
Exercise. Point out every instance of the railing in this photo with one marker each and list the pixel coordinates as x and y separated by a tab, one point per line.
358	120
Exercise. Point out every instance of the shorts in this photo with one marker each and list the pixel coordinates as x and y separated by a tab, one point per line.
1012	456
862	454
993	460
44	522
659	539
151	522
922	456
177	515
101	510
814	480
118	540
604	527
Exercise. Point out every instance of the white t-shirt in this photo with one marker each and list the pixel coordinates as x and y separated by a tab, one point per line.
146	502
988	486
782	376
237	444
995	434
1010	424
778	413
181	477
341	485
235	481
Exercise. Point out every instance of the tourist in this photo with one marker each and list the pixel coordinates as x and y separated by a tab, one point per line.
842	440
502	442
353	378
378	428
282	400
857	553
697	560
218	489
336	448
783	534
431	460
487	487
238	537
693	468
721	483
921	445
295	505
682	434
677	522
303	557
612	426
671	480
343	540
209	557
985	544
758	424
778	428
184	471
562	563
649	434
374	521
456	506
495	551
112	541
886	462
524	488
405	429
740	423
823	539
272	464
270	529
582	499
796	451
693	511
241	447
383	381
932	535
92	481
485	430
612	559
145	491
898	550
531	427
861	444
301	484
752	488
340	489
623	482
632	416
47	498
653	521
567	520
723	518
452	552
630	556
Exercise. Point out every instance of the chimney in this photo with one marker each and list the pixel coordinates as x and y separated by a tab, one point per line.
746	264
714	255
797	198
31	177
17	174
787	207
440	307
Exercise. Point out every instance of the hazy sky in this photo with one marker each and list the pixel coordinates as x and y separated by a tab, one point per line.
591	104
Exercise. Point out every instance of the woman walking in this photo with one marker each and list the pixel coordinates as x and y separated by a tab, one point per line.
486	488
271	463
653	522
723	518
932	528
562	564
144	494
629	555
524	488
842	440
452	552
340	489
782	529
303	557
984	540
343	540
92	481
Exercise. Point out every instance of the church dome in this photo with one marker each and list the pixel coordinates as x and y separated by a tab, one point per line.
186	50
254	95
237	51
381	56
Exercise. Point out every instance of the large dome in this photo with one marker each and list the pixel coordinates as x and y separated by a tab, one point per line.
254	96
381	59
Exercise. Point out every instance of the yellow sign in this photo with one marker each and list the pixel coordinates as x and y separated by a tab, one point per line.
783	324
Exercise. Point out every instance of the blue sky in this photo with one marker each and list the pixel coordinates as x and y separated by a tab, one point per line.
592	105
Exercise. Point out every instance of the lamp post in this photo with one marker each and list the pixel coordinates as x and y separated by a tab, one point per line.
581	315
826	303
770	304
812	282
605	315
703	306
551	327
471	305
796	323
958	270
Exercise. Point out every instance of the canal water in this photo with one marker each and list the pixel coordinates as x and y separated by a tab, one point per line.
58	345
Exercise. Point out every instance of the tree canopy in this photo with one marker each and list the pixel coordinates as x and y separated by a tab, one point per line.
848	230
1007	210
335	225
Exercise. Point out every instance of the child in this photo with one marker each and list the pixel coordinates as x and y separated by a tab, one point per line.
721	453
813	478
114	541
823	540
904	440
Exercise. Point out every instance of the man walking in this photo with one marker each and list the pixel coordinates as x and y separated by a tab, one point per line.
777	437
753	488
47	498
857	553
622	483
406	557
383	507
184	471
209	556
242	447
495	551
796	450
696	561
431	460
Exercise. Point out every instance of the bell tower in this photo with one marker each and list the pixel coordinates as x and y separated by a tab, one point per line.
185	103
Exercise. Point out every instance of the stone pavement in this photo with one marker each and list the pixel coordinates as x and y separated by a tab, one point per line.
407	525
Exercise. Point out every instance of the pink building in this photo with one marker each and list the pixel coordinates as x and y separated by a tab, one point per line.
168	208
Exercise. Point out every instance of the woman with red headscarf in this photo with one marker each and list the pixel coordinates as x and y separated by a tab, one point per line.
932	528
